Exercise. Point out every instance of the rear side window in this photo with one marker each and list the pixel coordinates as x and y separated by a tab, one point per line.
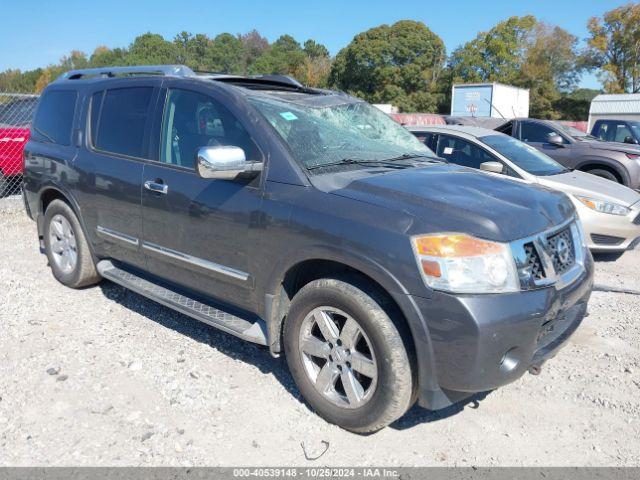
122	120
54	120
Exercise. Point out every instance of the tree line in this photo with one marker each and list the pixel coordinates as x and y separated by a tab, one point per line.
405	64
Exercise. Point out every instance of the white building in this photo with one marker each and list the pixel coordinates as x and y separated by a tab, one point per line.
624	106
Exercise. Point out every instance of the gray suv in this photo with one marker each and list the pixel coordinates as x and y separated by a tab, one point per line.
309	222
578	150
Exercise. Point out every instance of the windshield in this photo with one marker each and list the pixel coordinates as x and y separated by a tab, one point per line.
524	156
353	131
573	132
635	126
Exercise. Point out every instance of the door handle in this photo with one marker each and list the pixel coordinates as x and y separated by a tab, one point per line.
156	187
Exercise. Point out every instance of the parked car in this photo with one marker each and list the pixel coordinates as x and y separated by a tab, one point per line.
15	117
610	212
307	221
579	150
618	131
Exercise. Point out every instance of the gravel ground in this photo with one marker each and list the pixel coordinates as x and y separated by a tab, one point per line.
103	376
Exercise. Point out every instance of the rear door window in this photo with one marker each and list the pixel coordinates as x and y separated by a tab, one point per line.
122	121
54	119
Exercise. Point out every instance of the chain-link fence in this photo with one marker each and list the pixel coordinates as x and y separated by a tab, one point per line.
16	113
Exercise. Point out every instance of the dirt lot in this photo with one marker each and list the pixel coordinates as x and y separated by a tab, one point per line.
103	376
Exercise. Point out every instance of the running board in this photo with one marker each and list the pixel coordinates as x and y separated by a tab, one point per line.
252	332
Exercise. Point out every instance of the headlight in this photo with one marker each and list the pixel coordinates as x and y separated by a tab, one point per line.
463	264
604	207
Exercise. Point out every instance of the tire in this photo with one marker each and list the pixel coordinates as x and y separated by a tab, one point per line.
383	399
600	172
75	274
3	184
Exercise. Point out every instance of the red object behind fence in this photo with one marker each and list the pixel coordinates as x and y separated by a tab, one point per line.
16	114
410	119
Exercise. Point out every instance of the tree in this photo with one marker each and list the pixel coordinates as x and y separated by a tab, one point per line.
397	64
105	57
226	54
496	55
253	46
614	47
575	105
151	49
524	52
285	56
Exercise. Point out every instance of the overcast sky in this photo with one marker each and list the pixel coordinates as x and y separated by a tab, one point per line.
38	33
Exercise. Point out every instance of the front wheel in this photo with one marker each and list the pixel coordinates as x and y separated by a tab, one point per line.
66	247
347	356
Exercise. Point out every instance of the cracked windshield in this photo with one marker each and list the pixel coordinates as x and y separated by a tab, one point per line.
346	133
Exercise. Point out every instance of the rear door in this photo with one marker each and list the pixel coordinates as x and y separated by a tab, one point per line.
118	125
198	232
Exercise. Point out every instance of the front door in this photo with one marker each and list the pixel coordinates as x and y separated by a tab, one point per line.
198	232
537	135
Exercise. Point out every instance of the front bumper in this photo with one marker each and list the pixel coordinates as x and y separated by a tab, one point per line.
610	233
481	342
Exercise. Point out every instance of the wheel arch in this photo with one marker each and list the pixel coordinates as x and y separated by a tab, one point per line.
48	194
303	269
615	167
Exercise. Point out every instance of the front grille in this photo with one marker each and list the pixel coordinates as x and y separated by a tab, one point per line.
533	262
562	251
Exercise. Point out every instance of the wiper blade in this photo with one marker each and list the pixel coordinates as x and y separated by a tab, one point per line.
353	161
410	156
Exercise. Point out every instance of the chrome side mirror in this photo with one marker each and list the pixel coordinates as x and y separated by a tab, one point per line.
493	167
224	163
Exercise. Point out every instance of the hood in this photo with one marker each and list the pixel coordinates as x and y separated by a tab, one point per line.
611	146
450	198
582	183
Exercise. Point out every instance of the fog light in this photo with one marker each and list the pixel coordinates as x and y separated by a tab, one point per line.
510	360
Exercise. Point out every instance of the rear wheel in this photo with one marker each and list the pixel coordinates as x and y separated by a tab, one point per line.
601	172
347	355
66	247
3	184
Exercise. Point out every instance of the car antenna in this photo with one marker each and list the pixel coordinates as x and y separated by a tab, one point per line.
496	108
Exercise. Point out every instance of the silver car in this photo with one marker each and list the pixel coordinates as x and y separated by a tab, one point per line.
610	212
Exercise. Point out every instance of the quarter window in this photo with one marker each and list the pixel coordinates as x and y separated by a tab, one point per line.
122	121
193	120
54	118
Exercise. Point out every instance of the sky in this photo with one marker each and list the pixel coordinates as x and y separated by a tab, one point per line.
43	32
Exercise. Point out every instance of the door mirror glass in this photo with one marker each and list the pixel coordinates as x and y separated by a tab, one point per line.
555	139
493	167
224	162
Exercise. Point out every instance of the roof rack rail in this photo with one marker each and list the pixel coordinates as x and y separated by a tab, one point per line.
109	72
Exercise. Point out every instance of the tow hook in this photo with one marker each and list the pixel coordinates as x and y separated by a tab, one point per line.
535	369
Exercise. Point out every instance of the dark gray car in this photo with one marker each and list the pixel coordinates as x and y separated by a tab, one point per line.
309	222
575	149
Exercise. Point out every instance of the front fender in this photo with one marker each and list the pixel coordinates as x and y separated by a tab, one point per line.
276	302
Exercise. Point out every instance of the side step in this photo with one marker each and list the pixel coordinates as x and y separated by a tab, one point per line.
252	332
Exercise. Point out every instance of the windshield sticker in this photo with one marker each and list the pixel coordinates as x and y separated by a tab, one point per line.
288	116
448	150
